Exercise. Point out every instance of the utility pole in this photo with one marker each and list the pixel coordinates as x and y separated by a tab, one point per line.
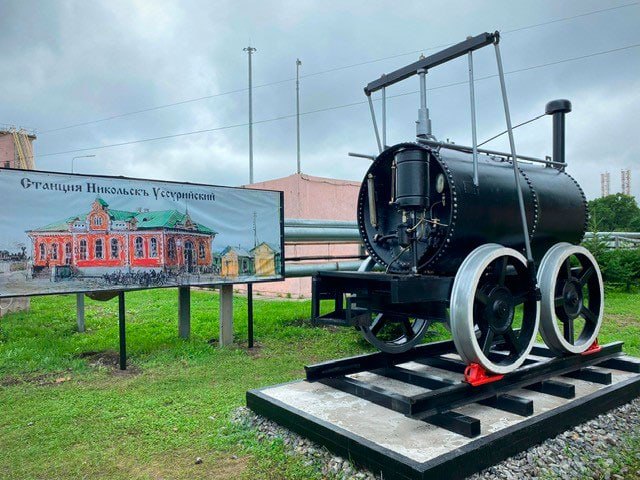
298	63
250	51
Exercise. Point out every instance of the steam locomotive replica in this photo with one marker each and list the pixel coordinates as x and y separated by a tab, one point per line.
485	242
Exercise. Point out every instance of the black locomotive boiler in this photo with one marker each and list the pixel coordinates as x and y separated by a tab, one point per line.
485	242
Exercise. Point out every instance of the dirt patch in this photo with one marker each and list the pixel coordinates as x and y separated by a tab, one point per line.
306	323
255	352
182	465
41	380
624	320
109	359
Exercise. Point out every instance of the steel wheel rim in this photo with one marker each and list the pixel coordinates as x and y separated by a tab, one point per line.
563	299
413	331
467	321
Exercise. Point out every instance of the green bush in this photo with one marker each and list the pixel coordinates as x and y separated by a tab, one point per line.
618	266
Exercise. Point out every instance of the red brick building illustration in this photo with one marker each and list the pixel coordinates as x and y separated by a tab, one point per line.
118	239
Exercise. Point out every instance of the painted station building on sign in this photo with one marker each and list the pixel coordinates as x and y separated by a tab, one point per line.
108	239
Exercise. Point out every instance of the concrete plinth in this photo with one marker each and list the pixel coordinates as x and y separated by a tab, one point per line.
403	447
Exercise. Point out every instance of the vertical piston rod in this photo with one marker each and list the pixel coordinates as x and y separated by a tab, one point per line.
514	157
423	125
474	138
384	117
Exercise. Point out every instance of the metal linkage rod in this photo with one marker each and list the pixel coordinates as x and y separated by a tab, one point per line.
375	124
362	155
474	138
514	157
384	117
467	149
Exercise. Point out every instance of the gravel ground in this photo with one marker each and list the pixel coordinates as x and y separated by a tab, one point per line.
602	448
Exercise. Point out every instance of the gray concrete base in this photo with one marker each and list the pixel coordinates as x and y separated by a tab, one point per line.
16	304
401	447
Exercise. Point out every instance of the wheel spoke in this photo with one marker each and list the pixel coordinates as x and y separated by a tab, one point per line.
520	298
378	323
586	275
588	315
482	297
512	340
567	267
569	334
486	341
502	270
408	329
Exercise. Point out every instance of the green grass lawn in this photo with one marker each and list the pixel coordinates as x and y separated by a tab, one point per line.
66	412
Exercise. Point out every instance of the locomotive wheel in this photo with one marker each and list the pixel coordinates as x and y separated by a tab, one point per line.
494	314
572	298
395	333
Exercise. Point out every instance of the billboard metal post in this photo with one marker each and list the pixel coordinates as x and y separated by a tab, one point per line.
80	312
226	315
184	312
250	314
123	331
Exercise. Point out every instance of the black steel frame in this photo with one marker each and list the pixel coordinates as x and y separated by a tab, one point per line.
367	292
436	406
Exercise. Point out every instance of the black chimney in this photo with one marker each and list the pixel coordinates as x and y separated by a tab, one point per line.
558	109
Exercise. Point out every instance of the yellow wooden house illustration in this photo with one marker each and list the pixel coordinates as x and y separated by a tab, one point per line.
266	260
235	261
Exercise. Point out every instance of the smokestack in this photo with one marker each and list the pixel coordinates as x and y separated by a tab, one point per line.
558	109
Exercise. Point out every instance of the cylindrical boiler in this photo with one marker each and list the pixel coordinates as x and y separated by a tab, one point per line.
452	216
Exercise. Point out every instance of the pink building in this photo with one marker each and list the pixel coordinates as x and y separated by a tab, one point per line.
9	153
312	198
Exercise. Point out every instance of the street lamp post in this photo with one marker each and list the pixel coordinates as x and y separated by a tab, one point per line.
298	63
250	50
81	156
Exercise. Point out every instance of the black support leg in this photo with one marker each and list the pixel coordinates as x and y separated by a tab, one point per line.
250	314
123	332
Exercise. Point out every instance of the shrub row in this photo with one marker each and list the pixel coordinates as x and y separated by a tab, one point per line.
618	266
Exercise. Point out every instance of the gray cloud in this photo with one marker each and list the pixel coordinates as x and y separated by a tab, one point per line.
69	62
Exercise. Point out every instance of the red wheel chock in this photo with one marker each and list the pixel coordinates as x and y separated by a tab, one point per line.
593	348
476	375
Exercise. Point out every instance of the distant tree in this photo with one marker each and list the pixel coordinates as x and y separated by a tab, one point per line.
614	213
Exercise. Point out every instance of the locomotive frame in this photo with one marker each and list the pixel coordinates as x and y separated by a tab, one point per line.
494	297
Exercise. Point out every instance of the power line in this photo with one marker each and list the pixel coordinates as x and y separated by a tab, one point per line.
336	107
580	15
322	72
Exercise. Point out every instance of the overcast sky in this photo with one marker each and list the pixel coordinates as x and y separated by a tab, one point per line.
70	62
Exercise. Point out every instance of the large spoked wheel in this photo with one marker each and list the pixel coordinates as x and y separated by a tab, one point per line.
395	333
494	313
572	298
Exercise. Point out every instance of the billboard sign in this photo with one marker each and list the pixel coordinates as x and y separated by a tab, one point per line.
66	233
